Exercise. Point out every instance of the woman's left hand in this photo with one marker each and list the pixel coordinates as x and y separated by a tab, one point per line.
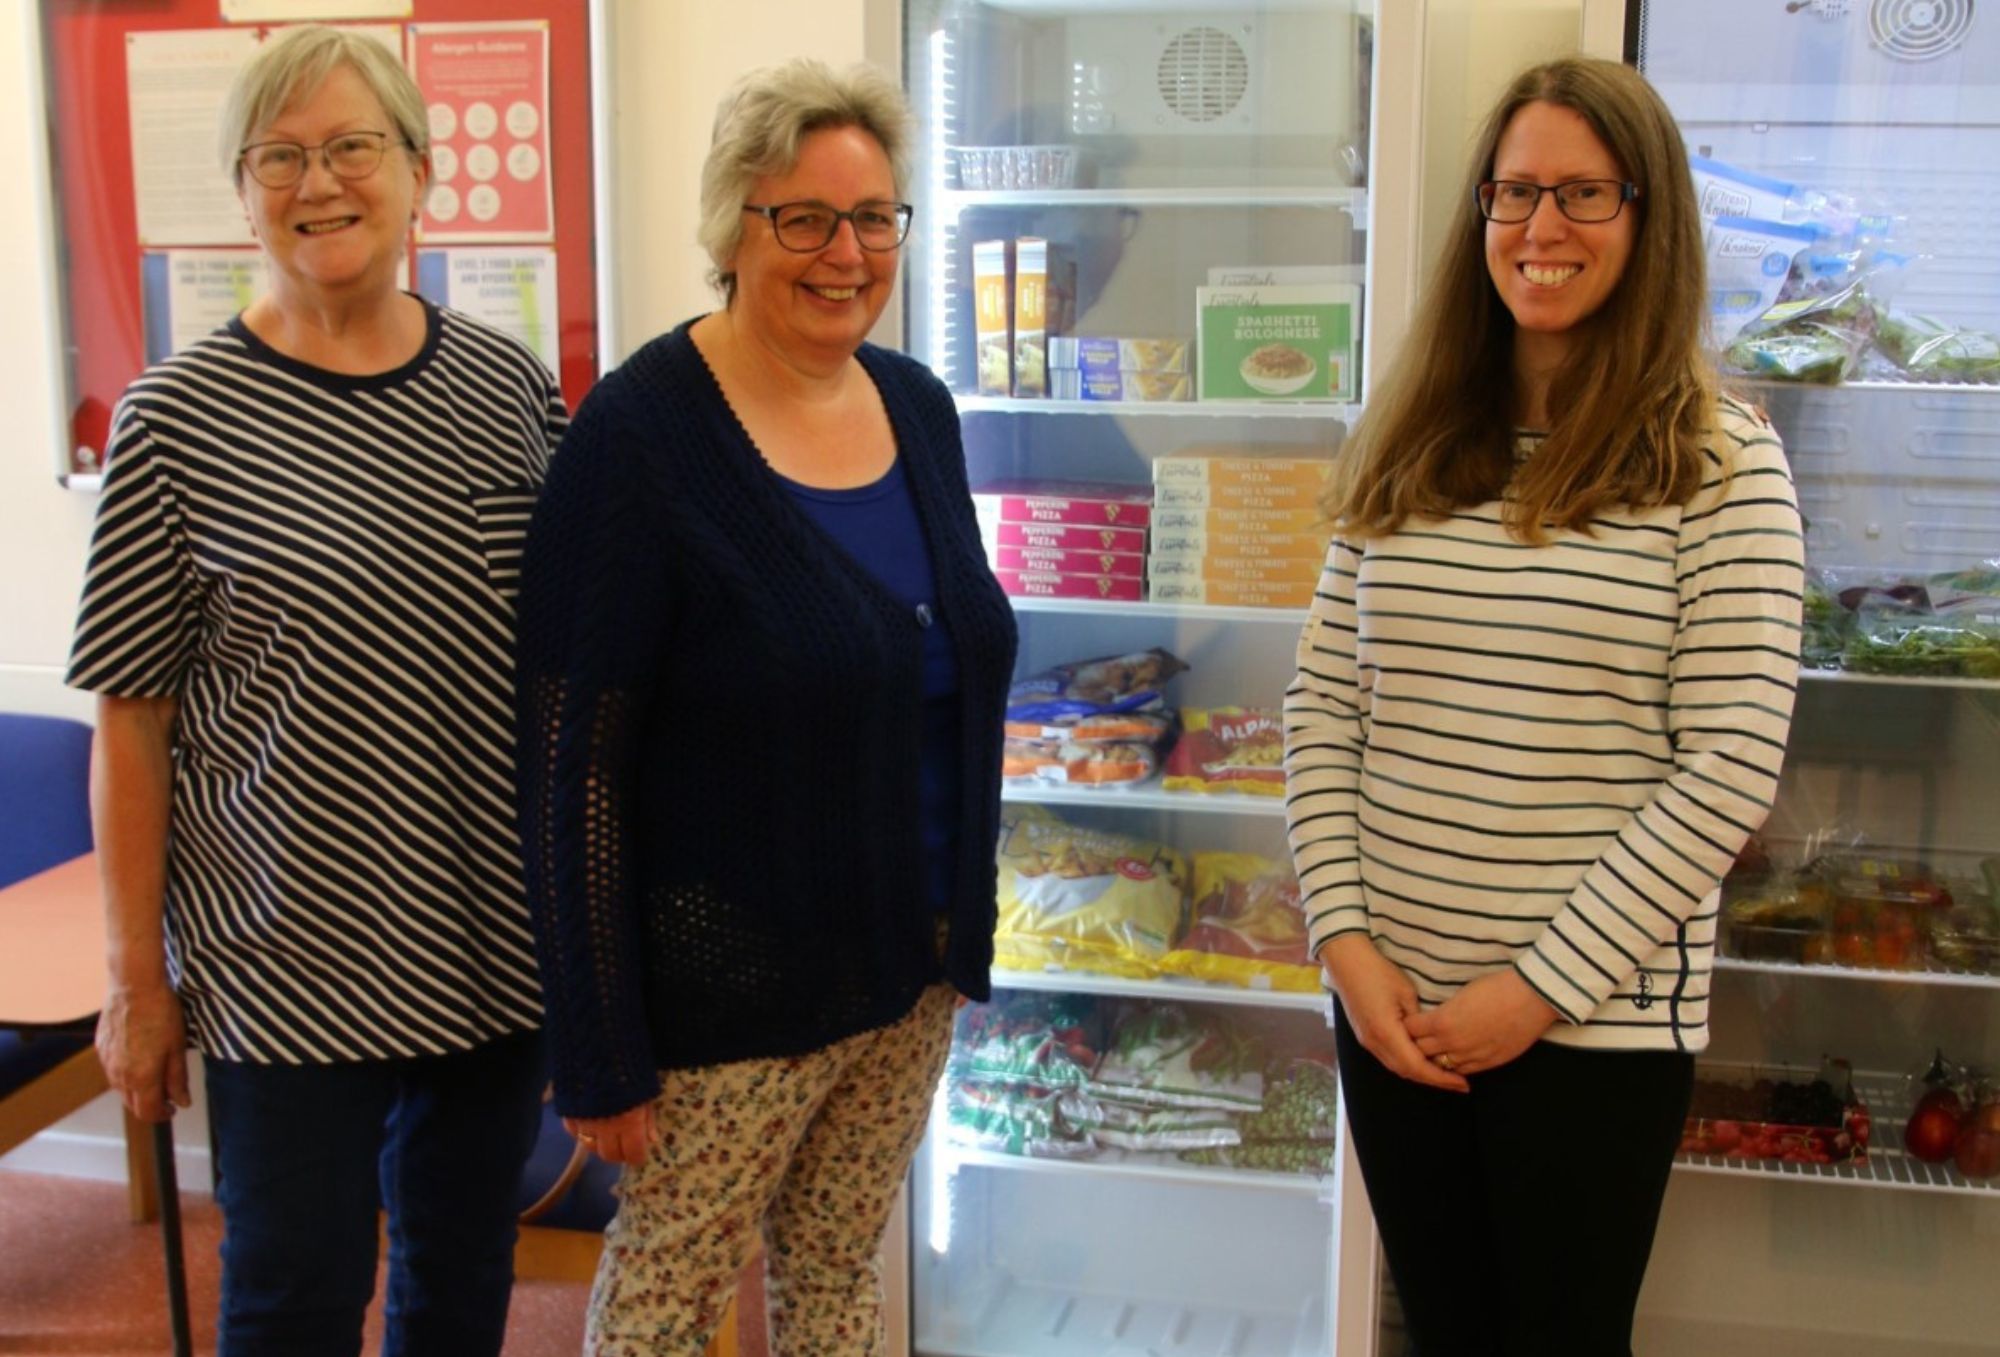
1483	1026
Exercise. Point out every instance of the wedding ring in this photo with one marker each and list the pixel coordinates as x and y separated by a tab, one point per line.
1446	1063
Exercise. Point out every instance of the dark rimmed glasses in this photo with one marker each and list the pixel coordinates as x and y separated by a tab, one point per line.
807	226
1512	201
281	164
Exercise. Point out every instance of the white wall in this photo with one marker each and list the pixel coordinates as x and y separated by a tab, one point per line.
671	61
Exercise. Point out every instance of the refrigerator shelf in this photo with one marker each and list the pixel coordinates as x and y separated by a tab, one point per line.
1144	798
1028	1319
1915	388
1897	680
1886	1166
1293	618
1154	1166
1170	988
1344	411
1924	975
1354	200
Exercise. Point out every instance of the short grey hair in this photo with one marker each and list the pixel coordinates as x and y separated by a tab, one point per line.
294	65
759	125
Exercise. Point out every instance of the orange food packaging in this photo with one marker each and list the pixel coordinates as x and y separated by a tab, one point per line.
1228	749
1246	927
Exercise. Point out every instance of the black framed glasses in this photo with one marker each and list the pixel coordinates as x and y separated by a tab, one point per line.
1511	201
352	155
807	226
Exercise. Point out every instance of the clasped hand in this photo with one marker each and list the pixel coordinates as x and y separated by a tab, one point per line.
1486	1024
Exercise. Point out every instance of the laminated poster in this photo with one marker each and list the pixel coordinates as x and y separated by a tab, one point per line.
175	84
486	88
514	291
190	293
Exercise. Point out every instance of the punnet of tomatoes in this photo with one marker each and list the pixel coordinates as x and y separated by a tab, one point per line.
1789	1116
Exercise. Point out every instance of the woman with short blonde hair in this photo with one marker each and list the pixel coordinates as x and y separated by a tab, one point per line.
298	617
763	668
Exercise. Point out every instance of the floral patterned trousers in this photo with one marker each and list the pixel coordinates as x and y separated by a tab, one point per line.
811	1149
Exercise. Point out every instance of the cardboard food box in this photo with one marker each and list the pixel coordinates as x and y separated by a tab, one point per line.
1198	495
1044	291
1285	275
993	316
1234	569
1233	593
1103	353
1195	518
1297	342
1093	503
1059	561
1065	537
1072	384
1224	466
1052	584
1276	546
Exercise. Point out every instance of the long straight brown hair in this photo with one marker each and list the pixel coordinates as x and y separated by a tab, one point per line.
1629	406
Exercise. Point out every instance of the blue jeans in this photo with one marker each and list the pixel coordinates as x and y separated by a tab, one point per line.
307	1154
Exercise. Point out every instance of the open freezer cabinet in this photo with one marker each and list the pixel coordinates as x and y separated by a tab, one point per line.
1156	247
1848	156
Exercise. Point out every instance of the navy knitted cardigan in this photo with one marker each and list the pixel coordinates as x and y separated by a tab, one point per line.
719	720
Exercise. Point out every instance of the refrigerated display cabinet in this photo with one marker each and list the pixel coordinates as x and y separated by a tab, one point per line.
1875	126
1148	145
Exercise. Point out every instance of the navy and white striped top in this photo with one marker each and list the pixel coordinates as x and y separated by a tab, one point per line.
1546	757
322	569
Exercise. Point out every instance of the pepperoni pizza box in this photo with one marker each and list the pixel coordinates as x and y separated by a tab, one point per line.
1043	559
1064	537
1095	503
1053	584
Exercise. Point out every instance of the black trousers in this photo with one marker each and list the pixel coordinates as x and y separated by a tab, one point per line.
1517	1219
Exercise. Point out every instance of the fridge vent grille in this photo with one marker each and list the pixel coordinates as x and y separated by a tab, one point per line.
1203	74
1919	30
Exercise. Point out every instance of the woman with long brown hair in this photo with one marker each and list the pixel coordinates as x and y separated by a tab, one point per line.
1542	700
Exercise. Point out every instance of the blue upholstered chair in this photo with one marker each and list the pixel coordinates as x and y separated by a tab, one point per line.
45	821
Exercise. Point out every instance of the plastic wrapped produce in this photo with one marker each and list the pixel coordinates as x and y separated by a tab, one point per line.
1314	1157
1132	1126
1166	1055
1301	1103
1023	1119
1933	351
1050	1041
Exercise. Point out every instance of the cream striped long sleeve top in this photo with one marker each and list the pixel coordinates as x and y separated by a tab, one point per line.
1546	757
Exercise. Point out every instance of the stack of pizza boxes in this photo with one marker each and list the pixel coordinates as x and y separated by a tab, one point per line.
1066	539
1240	527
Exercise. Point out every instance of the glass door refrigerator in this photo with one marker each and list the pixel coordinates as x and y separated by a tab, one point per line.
1155	246
1848	155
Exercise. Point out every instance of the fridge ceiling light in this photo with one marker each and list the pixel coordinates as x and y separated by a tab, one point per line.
1919	30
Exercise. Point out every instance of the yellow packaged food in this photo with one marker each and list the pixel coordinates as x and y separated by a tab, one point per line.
1084	899
1246	927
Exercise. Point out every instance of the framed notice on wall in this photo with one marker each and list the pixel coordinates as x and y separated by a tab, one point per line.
153	247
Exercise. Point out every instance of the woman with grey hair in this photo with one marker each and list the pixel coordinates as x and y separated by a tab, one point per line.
762	671
298	617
